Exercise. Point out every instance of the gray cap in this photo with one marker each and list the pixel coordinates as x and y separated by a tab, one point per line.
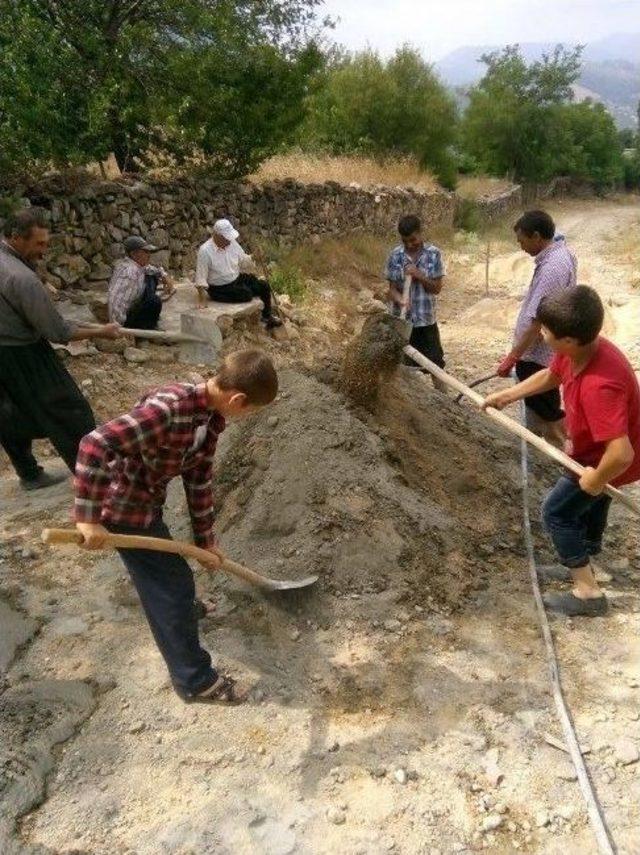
135	242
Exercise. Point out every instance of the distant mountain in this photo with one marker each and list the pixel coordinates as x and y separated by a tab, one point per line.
610	74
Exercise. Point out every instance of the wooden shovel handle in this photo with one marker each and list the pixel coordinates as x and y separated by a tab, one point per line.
156	544
515	427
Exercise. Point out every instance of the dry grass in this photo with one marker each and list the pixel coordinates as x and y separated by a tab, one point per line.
317	168
474	186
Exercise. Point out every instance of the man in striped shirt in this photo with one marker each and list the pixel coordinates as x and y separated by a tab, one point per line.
122	474
555	271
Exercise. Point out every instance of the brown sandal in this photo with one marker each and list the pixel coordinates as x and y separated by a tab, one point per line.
225	690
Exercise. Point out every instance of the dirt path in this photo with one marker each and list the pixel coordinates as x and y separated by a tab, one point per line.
401	708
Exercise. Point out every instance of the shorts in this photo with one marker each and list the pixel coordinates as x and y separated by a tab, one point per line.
548	405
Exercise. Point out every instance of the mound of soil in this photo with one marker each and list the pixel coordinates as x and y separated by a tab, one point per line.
368	501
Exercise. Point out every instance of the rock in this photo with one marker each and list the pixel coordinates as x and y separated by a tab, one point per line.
475	740
111	345
225	322
401	776
567	812
626	752
493	772
137	727
159	238
272	421
100	310
164	355
336	816
542	819
71	269
491	822
135	355
100	271
567	773
294	634
68	626
392	625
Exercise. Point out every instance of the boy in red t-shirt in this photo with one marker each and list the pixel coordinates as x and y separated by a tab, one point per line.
602	403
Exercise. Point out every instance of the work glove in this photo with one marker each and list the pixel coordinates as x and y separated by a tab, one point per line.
507	365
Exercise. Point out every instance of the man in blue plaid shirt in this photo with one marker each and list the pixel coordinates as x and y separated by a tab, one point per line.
423	263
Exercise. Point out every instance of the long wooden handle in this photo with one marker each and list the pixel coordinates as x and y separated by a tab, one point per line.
514	426
156	544
406	291
161	335
153	335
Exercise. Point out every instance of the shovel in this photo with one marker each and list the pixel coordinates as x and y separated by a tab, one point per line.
405	298
58	536
199	338
515	427
484	379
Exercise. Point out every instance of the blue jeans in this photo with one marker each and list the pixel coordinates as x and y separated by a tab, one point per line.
165	585
575	521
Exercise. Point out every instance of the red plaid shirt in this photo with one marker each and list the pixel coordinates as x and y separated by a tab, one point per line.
124	467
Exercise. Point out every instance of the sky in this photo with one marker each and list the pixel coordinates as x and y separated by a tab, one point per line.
440	27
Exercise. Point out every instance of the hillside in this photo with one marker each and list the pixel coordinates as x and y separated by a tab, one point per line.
611	71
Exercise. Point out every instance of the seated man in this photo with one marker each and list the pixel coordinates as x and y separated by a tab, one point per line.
218	273
134	301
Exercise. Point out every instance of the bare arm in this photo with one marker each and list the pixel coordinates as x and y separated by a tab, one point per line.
617	458
432	285
543	381
101	331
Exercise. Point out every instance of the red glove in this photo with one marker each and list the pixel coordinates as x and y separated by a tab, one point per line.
505	368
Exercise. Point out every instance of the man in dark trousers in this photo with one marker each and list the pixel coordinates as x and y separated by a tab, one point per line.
219	273
134	300
38	397
555	272
422	263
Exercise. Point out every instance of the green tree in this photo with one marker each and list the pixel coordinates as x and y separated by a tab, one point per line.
369	106
509	122
81	78
585	140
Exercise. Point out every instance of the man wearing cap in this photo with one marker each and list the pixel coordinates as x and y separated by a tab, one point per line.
220	260
38	397
134	301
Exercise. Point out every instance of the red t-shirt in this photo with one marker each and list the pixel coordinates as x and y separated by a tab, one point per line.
602	403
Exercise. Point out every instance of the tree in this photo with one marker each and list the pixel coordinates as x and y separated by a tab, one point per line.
508	124
587	145
80	78
369	106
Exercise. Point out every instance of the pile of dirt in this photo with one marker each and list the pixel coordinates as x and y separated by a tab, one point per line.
372	357
367	500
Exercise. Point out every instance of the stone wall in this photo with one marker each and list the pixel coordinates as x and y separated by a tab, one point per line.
494	207
90	222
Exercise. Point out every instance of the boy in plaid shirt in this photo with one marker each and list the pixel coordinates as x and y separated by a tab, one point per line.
122	473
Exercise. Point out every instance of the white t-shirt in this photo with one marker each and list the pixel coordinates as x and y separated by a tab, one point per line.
217	266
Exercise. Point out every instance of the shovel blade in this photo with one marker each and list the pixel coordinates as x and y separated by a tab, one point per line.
288	584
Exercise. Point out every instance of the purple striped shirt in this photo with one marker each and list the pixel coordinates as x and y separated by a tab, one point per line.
556	268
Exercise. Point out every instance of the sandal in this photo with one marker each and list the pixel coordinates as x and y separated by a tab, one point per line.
572	606
225	690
